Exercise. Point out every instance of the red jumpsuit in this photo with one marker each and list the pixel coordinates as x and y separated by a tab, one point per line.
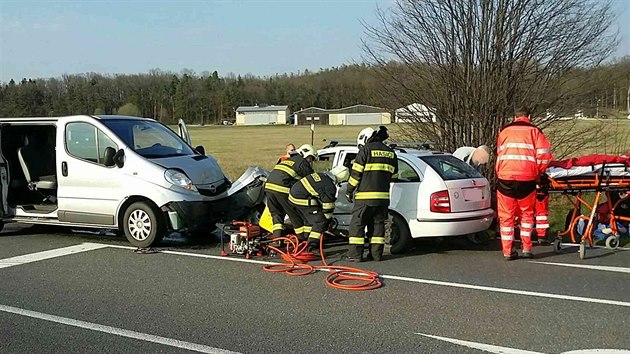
541	212
523	153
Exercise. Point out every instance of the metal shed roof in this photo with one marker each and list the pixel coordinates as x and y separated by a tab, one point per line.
357	108
270	108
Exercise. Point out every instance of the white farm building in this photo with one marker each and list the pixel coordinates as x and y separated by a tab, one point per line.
413	112
261	115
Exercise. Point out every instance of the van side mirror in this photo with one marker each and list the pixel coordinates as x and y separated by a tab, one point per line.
108	156
200	149
119	158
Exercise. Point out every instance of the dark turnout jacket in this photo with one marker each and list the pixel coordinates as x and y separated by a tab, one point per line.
373	169
314	190
286	173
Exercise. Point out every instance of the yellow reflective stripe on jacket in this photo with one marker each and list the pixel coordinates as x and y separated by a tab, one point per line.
355	240
299	230
358	167
277	188
372	195
309	187
302	202
379	167
353	182
307	229
377	240
277	227
328	205
288	170
315	235
328	215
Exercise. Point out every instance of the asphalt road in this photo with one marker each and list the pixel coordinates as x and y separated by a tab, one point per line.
94	294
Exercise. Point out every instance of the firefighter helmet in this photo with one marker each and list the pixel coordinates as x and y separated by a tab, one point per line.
339	174
364	135
307	150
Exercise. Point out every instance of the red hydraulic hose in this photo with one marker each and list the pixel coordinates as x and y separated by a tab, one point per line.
340	277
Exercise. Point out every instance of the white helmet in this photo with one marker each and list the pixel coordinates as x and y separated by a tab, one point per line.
339	174
364	135
307	150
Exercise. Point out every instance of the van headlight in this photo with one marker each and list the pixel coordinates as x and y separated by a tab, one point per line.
179	179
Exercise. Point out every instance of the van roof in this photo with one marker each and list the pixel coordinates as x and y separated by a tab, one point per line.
54	119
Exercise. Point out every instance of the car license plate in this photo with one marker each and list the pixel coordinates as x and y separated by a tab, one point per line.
473	194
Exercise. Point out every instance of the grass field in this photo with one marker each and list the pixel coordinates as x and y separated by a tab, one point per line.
236	147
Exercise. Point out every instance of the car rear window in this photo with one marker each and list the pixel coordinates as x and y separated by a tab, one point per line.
450	168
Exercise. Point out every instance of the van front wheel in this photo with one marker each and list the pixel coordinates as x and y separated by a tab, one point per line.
142	225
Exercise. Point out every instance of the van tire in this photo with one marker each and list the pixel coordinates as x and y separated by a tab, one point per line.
397	234
143	226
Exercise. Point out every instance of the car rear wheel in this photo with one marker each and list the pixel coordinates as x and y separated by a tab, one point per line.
397	234
142	225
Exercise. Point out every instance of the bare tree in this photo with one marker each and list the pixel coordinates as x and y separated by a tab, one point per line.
474	61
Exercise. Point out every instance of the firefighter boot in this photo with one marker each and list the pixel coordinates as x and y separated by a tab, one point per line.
376	250
355	253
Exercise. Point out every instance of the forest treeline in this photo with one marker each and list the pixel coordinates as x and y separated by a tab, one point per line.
209	98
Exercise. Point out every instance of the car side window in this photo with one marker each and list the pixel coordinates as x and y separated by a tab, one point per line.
324	162
406	173
86	142
348	160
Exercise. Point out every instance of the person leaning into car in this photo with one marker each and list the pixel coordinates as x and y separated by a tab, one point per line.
523	154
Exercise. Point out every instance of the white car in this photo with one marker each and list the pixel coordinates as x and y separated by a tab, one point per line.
435	195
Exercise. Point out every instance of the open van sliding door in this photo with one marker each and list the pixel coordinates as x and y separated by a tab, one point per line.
4	183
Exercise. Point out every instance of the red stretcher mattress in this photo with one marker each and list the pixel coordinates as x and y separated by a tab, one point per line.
613	165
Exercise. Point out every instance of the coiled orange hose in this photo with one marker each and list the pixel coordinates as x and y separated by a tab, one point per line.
340	277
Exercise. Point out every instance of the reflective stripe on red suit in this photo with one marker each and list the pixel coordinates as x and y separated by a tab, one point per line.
523	154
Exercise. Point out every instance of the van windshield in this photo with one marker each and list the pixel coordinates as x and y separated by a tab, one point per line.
148	138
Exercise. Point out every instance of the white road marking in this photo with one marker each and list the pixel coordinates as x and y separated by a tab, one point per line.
586	266
505	350
90	246
510	291
115	331
424	281
40	256
480	346
596	246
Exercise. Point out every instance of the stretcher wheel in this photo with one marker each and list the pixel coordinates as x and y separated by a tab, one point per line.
612	242
582	250
557	245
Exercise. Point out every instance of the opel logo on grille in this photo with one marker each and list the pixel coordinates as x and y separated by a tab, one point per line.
213	188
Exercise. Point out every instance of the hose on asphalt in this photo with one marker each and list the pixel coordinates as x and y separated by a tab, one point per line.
297	257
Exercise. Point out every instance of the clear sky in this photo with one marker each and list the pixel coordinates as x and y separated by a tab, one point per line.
53	37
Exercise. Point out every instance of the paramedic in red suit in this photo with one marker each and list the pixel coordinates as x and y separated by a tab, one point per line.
541	215
523	153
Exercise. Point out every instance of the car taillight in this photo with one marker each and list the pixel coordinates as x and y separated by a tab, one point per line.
440	202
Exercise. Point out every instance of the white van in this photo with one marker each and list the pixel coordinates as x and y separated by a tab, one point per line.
116	172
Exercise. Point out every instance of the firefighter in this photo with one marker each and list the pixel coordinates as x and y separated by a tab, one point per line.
278	186
314	198
523	153
371	174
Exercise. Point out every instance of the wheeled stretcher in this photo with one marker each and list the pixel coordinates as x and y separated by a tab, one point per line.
600	174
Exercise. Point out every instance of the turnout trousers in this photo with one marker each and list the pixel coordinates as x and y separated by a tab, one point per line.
279	206
509	209
372	217
315	223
